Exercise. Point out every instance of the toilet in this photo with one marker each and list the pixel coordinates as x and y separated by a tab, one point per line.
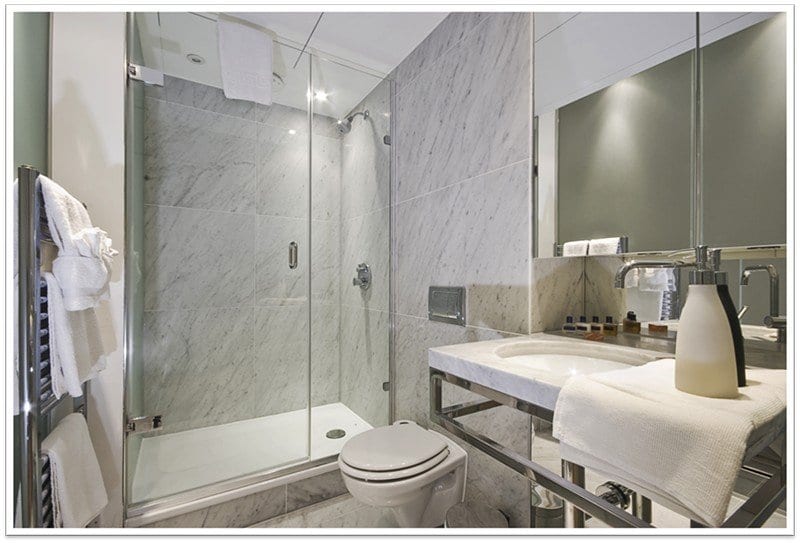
419	474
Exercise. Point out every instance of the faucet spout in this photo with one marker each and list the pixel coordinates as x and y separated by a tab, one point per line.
774	285
622	272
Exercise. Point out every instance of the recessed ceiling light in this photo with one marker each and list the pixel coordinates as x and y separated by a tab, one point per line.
195	59
292	131
321	95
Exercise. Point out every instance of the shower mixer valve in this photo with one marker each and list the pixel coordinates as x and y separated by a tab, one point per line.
363	276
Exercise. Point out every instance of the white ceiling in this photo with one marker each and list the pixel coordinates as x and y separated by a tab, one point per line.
374	43
577	54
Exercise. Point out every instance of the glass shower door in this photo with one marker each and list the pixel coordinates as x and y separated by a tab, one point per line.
218	257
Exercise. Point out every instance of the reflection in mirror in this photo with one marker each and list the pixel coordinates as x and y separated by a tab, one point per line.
743	87
615	105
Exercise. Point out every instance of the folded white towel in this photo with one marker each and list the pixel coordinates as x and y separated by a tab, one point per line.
681	450
76	483
83	266
604	246
76	344
245	57
575	248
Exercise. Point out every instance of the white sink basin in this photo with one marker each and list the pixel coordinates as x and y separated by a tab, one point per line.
533	368
560	361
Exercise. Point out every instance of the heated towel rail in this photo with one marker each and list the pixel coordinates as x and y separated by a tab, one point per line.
38	406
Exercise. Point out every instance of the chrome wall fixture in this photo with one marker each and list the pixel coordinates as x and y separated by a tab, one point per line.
38	405
363	278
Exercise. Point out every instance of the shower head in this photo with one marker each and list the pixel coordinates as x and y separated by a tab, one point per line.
343	126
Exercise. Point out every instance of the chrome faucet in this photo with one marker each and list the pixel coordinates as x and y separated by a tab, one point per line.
774	285
774	319
619	278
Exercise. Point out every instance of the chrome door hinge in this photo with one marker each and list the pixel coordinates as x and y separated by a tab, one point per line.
138	425
148	76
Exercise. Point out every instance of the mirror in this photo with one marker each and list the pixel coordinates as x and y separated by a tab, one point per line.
617	129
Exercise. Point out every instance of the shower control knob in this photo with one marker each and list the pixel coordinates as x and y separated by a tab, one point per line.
363	277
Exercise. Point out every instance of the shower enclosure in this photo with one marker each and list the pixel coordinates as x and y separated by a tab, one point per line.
258	259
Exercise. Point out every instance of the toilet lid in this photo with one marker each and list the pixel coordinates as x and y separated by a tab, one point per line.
389	476
392	448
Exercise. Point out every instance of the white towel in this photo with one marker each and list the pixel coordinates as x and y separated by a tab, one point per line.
575	248
83	265
76	344
245	57
76	483
604	246
681	450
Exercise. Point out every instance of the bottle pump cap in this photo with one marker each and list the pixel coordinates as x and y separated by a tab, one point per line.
703	274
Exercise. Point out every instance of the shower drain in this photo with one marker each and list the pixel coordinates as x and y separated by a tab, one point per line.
336	433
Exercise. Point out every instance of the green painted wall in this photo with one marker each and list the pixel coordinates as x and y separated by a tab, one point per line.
31	83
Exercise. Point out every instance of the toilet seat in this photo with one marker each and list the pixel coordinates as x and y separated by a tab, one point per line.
388	476
394	448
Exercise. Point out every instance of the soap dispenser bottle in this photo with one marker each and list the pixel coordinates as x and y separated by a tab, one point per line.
721	279
705	358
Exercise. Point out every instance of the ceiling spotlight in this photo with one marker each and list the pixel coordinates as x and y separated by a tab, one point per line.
292	131
195	59
320	96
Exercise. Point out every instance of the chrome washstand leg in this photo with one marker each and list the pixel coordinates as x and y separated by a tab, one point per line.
573	517
642	507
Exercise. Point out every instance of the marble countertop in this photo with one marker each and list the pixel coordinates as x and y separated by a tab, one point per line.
480	363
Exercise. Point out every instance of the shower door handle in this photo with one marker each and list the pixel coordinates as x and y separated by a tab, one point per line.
292	255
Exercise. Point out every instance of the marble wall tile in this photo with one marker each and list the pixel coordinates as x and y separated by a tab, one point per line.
601	297
365	239
198	159
365	157
449	32
198	366
197	258
557	290
290	118
283	175
365	363
326	173
497	209
282	183
324	352
276	283
314	490
239	513
247	510
429	247
325	260
472	113
196	95
281	358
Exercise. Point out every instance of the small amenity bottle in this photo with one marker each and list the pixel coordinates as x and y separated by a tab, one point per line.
582	325
569	326
630	324
610	327
596	326
705	359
